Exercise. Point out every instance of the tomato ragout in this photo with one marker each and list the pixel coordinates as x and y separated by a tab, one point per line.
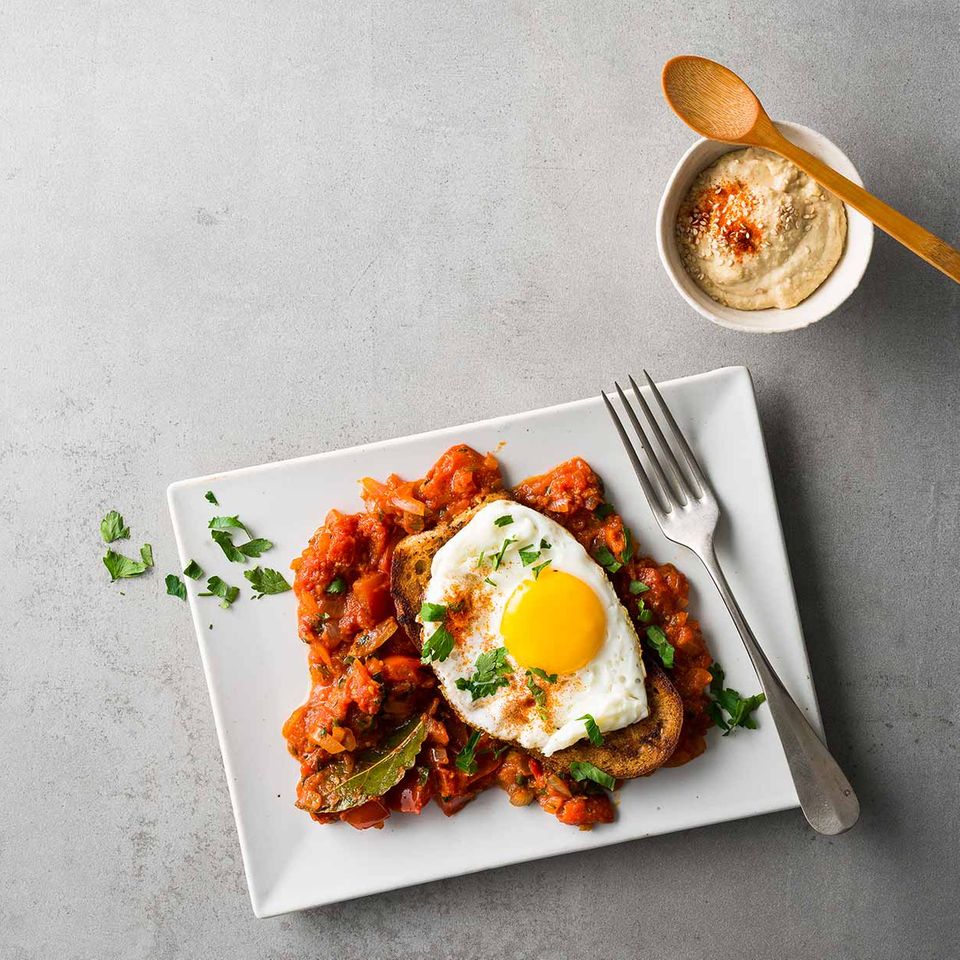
367	679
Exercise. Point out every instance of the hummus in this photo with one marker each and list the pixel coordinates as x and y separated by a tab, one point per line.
756	232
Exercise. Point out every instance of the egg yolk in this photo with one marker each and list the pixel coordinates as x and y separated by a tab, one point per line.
555	622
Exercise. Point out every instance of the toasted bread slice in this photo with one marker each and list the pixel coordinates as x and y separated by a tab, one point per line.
634	751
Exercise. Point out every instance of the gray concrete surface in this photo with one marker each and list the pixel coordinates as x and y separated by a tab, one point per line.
235	232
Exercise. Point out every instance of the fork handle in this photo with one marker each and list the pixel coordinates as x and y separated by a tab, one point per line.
826	797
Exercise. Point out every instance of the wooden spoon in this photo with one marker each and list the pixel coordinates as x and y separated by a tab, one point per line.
716	103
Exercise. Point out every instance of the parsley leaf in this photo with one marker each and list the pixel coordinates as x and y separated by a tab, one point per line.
539	695
112	528
498	558
225	539
432	612
193	570
492	583
465	760
607	560
627	546
146	554
545	544
438	646
658	640
503	521
490	673
210	498
337	586
603	511
543	675
593	730
539	568
528	554
175	586
637	587
581	770
217	588
120	567
227	523
740	709
253	548
266	581
644	615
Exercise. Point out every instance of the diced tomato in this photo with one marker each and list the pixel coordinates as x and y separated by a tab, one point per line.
370	814
585	810
399	669
362	689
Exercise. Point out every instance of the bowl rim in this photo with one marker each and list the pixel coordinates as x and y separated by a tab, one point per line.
857	255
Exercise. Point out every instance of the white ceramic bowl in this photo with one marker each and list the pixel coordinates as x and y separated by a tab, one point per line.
825	299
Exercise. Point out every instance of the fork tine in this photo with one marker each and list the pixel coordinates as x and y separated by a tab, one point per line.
676	474
652	498
683	489
670	492
696	474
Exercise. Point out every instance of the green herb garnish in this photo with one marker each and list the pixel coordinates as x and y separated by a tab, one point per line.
266	581
637	587
120	567
607	560
539	695
225	541
210	498
593	731
432	612
539	568
490	673
113	528
503	521
740	709
193	570
218	588
253	548
581	770
175	586
543	675
227	523
465	760
529	555
498	558
492	583
545	544
438	646
603	511
658	640
146	554
337	586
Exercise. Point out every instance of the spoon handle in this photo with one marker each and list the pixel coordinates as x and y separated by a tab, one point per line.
914	237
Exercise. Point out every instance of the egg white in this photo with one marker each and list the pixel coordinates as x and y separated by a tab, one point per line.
610	688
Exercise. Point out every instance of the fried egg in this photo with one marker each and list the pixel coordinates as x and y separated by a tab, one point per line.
534	637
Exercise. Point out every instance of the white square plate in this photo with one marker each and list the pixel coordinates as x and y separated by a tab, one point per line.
256	667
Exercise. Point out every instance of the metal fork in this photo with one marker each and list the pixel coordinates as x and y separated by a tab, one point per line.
687	510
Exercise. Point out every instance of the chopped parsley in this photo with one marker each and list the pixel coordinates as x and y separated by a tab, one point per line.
543	675
529	555
740	709
503	521
492	582
218	588
210	498
253	548
266	581
581	770
337	586
227	523
539	568
593	730
545	544
498	558
539	695
603	511
658	640
146	554
438	646
432	612
607	560
490	673
113	528
465	760
225	540
120	567
193	570
175	586
638	587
